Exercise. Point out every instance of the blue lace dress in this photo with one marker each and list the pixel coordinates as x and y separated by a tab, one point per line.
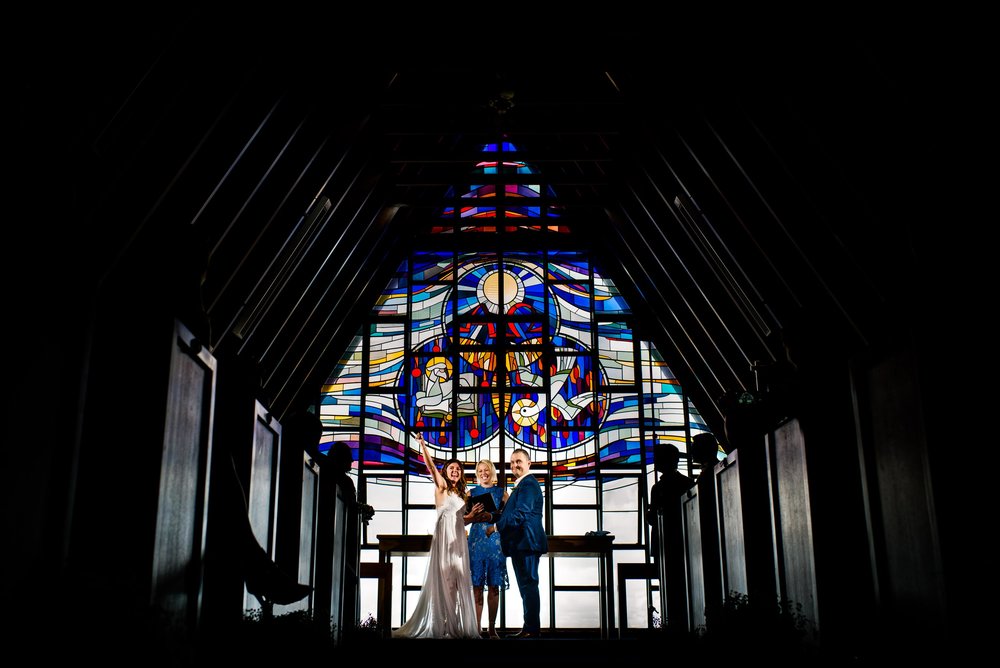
489	565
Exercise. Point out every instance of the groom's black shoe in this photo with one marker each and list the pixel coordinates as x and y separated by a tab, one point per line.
525	634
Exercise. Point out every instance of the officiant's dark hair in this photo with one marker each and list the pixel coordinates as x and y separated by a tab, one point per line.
460	487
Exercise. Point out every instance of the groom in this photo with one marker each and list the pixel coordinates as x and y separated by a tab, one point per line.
523	539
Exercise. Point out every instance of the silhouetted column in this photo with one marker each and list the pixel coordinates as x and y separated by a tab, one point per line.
665	514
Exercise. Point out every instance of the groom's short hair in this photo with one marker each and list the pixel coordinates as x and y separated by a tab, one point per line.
523	452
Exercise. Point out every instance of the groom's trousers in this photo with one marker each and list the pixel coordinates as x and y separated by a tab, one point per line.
526	573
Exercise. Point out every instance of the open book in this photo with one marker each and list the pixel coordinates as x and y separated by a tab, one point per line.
485	498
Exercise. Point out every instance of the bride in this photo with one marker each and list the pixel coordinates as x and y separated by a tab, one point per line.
445	608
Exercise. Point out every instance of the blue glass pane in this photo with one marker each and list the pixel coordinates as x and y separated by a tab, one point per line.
478	212
431	266
379	452
523	212
575	401
621	452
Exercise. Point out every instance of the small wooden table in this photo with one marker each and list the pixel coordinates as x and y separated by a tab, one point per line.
402	545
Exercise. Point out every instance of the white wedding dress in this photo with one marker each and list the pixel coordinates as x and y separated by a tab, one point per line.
445	608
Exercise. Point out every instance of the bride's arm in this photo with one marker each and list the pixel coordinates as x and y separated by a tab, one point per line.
439	480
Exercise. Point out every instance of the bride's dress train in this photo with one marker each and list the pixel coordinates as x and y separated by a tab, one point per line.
445	608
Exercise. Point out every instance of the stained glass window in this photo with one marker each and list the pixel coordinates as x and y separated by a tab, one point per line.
484	352
497	355
504	191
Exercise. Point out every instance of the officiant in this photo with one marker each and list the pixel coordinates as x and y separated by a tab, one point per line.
486	560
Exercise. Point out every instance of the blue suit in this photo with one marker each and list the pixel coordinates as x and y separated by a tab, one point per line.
523	539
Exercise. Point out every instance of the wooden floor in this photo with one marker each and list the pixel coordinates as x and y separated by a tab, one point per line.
291	645
571	649
289	642
554	649
285	649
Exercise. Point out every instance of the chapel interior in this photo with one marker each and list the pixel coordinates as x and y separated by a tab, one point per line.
209	209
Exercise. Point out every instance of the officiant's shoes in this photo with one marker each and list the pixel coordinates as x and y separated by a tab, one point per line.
525	634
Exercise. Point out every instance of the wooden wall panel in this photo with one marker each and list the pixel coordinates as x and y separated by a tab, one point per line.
910	578
308	527
178	552
734	562
695	562
262	495
794	546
